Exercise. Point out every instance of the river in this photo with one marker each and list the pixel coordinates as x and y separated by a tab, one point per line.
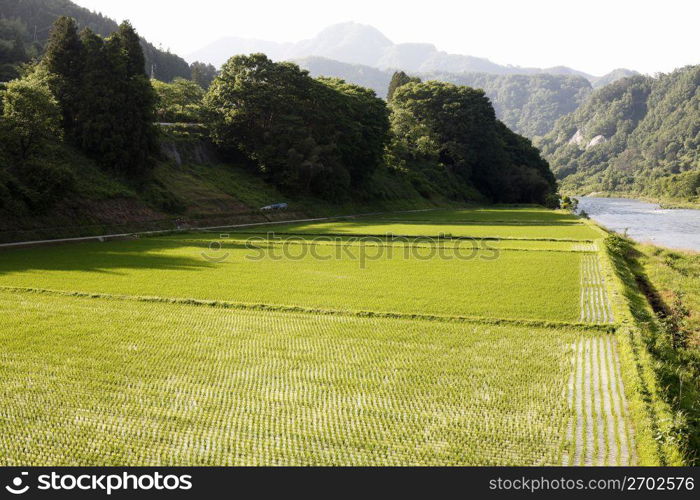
646	222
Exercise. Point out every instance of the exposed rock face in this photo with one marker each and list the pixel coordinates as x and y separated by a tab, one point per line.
577	138
598	139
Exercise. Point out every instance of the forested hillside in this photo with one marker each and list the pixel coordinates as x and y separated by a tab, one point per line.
25	26
640	135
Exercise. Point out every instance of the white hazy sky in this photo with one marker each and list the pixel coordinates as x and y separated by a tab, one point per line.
595	36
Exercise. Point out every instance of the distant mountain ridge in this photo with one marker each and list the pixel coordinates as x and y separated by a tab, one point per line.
355	43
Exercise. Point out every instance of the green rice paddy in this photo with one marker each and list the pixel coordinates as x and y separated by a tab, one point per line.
211	349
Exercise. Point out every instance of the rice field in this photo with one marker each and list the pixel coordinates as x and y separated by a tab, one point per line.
198	349
531	285
595	305
142	383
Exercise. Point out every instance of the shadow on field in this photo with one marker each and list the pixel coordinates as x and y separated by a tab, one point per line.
108	257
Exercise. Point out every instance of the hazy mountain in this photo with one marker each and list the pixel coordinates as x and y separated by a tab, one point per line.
355	43
637	135
348	42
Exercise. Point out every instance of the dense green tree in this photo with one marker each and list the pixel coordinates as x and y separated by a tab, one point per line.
131	45
101	88
107	100
397	80
64	60
139	99
31	114
29	125
203	74
179	101
362	122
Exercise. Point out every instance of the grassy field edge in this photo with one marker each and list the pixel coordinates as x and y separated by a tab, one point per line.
656	441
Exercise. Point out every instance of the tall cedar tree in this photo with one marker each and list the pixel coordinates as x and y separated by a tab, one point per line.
139	100
64	58
397	80
98	126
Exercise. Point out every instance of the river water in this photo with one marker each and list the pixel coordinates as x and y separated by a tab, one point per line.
646	222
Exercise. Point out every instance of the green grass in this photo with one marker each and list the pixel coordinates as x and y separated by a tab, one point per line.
513	285
676	275
673	287
91	382
211	188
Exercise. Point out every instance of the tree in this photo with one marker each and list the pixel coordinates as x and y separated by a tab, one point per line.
131	45
31	114
179	101
362	120
63	59
113	102
203	74
100	129
397	80
139	99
